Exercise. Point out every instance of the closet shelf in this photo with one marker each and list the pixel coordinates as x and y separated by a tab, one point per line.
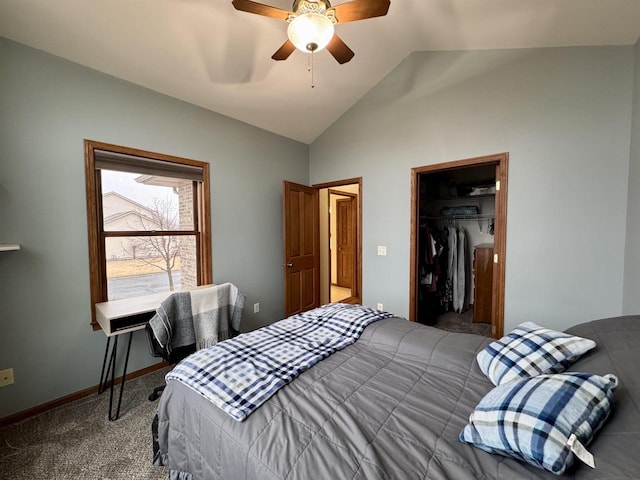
478	216
462	197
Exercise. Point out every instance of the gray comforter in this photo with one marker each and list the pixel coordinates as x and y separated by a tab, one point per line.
390	406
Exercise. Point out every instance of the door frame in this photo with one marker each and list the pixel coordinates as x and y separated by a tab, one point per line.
356	290
501	161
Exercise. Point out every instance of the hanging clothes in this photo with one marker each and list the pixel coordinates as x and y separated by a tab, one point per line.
432	268
430	263
460	280
443	267
452	268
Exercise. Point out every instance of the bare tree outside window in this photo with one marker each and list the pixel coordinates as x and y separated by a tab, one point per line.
140	204
162	215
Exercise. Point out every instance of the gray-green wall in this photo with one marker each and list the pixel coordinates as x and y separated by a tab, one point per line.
632	256
47	107
564	116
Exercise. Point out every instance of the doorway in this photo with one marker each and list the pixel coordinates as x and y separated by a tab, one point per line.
458	239
340	251
322	244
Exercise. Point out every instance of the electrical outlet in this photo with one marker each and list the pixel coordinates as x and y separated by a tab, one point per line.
6	377
382	250
380	306
256	308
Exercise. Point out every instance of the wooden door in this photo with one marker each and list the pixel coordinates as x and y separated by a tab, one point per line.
301	248
345	241
483	283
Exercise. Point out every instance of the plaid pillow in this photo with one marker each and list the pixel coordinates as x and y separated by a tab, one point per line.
530	350
542	420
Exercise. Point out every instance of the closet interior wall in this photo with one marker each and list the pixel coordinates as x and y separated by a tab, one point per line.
456	203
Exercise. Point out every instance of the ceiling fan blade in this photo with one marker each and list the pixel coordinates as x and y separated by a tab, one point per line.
339	50
361	9
260	9
284	51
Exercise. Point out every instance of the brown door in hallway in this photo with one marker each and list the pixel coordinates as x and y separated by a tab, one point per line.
345	241
301	248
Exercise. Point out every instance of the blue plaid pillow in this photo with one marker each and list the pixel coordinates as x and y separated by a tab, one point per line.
530	350
542	420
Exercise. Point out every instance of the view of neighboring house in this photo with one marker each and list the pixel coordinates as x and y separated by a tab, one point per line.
122	213
168	254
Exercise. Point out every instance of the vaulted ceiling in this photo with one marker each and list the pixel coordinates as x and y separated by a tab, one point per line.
209	54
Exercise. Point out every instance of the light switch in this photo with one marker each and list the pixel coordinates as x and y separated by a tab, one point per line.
382	249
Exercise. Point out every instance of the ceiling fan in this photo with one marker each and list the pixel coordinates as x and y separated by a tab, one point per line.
311	23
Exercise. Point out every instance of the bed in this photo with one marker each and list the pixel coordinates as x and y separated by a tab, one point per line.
390	406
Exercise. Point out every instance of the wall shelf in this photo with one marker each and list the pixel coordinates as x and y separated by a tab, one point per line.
6	247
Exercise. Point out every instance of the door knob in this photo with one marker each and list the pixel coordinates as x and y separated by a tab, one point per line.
289	265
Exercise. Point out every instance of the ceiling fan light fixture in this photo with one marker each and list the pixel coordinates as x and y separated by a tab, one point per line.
310	32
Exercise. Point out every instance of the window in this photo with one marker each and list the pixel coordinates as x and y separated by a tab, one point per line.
148	220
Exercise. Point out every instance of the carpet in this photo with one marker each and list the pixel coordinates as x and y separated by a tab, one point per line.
77	441
462	323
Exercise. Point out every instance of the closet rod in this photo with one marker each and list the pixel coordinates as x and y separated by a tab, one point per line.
479	216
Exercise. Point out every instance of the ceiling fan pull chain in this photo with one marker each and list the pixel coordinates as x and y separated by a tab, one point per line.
310	69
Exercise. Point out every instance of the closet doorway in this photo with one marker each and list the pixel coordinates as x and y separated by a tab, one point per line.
322	244
458	243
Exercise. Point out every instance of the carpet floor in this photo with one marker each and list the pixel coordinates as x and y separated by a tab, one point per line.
462	323
77	441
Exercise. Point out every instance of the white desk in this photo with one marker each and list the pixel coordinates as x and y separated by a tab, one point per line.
109	314
116	318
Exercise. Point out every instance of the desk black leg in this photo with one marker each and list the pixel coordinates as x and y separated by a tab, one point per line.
111	368
124	376
103	378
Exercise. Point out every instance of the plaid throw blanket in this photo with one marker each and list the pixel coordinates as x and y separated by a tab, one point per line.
240	374
202	316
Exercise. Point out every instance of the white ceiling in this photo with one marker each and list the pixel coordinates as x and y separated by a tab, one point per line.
209	54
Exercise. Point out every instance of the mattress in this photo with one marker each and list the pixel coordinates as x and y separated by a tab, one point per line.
390	406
